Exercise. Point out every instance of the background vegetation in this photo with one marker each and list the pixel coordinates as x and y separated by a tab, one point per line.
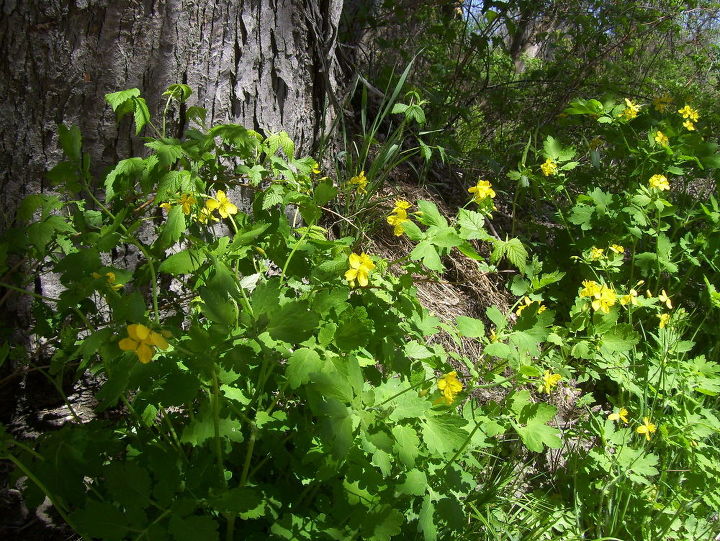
268	374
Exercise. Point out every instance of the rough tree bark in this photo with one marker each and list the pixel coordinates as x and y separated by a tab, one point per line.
266	64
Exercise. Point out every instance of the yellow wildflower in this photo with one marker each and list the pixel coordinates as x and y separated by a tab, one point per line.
550	380
689	113
621	415
399	216
604	299
187	201
646	428
659	182
664	320
662	103
591	288
449	385
661	139
360	181
596	253
360	267
549	168
316	170
689	126
142	341
631	110
630	298
482	190
223	205
663	297
166	206
617	249
110	277
525	302
206	215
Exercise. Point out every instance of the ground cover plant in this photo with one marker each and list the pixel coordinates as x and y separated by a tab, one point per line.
271	380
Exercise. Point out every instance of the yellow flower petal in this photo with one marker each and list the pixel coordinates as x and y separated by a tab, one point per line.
145	353
128	344
138	332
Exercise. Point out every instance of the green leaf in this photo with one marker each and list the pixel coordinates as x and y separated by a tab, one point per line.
324	192
142	115
128	483
173	183
246	502
470	327
443	434
130	307
101	521
426	520
621	337
71	141
536	433
125	171
406	444
193	528
415	350
179	92
516	253
415	483
293	322
354	329
168	151
472	225
202	428
301	365
218	307
119	101
173	229
430	214
426	252
185	262
387	524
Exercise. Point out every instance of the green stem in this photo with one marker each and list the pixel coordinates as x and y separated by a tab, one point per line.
248	454
216	425
295	248
26	292
30	475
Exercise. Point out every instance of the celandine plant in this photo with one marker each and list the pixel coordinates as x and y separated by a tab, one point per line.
267	381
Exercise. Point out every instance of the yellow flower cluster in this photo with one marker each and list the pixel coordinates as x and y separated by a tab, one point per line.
620	415
399	216
187	201
690	115
110	278
525	302
631	110
221	203
646	428
482	191
360	267
661	139
603	297
596	254
630	298
664	320
142	341
617	248
449	385
659	182
550	380
360	181
549	168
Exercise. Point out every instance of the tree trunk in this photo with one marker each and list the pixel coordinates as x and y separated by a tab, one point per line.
265	64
